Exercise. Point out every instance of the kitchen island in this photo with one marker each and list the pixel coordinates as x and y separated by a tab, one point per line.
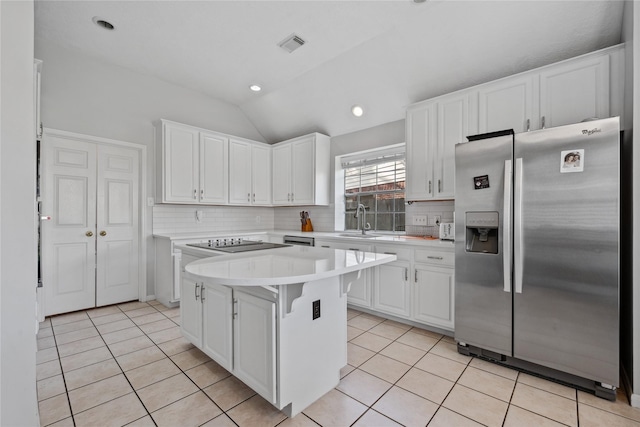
276	319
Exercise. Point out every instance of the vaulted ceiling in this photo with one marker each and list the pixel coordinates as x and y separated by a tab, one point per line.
383	55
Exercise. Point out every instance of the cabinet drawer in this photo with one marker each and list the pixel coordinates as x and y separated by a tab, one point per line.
348	246
435	257
403	254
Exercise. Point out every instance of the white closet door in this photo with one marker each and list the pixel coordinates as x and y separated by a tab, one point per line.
117	245
68	238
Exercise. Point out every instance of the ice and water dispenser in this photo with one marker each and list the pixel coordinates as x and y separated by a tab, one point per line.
481	232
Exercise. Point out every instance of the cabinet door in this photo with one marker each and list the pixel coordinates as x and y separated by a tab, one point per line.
360	291
433	296
574	91
281	174
303	172
261	175
453	127
254	349
507	104
391	291
239	172
180	164
421	125
191	312
217	324
214	170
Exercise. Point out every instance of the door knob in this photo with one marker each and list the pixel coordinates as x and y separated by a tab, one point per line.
103	233
89	233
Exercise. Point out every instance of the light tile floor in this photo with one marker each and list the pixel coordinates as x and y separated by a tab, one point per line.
129	365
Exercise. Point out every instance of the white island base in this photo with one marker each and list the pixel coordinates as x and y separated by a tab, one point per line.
288	341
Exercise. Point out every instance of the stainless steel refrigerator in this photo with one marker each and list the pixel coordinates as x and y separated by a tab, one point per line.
536	246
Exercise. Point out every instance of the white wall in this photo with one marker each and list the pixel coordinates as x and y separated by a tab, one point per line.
83	95
18	259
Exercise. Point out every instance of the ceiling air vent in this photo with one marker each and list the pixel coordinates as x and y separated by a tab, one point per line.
291	43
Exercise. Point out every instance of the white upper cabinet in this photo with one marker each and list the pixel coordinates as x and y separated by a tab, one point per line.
507	104
249	173
453	128
301	171
192	165
180	163
433	130
261	174
214	169
420	135
568	92
573	91
281	174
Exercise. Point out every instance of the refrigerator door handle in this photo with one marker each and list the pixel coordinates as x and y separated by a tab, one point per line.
518	249
506	224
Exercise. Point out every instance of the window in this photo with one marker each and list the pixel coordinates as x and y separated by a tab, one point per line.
375	179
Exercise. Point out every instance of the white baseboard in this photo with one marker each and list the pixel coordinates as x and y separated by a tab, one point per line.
149	298
635	400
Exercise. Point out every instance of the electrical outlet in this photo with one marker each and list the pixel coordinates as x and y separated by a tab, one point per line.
199	215
434	220
419	220
258	219
316	309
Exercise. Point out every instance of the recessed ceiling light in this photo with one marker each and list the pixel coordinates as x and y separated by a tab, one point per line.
102	23
357	111
255	88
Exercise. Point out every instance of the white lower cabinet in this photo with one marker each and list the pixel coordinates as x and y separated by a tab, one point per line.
254	344
433	295
191	312
217	324
235	329
360	290
391	285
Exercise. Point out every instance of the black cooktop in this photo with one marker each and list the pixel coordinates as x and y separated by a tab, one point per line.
244	246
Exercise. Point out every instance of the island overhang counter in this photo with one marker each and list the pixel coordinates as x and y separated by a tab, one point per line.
276	319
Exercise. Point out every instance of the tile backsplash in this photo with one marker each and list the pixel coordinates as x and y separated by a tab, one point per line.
182	219
444	209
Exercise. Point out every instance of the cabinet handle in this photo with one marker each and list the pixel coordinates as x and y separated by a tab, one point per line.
254	197
248	197
288	197
434	257
528	125
292	197
202	193
41	130
202	293
195	291
390	253
543	125
406	274
235	311
439	186
195	194
354	249
429	186
415	278
323	246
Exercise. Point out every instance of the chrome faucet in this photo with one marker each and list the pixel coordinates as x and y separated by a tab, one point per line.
365	225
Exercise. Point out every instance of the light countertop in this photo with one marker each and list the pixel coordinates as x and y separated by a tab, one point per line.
282	266
335	235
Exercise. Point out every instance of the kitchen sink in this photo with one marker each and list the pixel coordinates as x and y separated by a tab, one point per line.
360	235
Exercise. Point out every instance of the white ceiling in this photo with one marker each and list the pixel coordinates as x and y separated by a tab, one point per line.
382	55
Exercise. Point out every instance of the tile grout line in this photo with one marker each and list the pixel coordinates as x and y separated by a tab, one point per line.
64	380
